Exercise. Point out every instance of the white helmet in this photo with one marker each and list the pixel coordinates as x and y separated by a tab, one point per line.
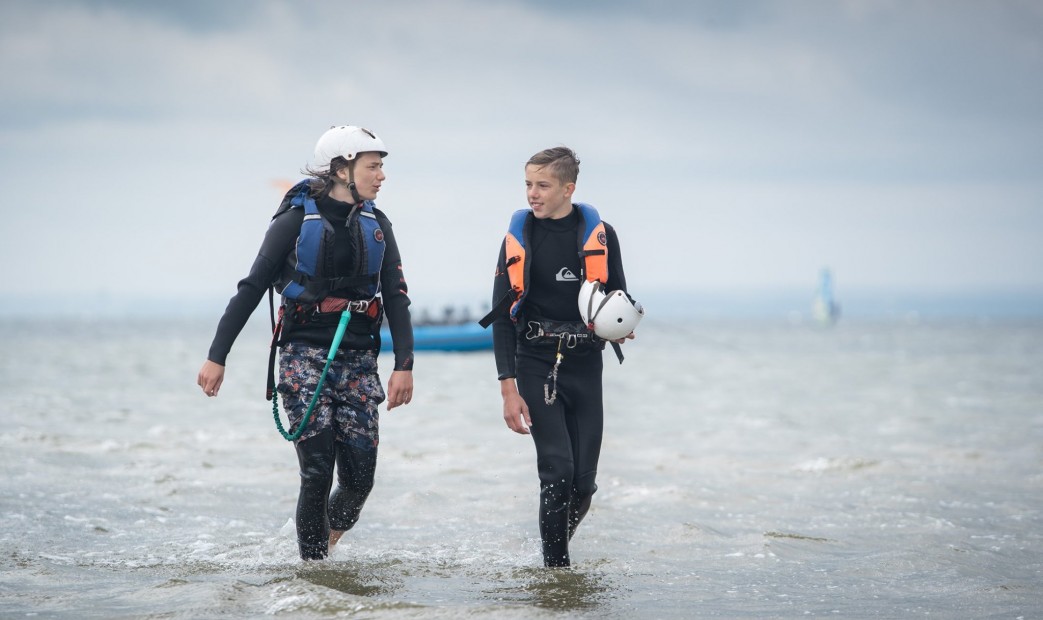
346	141
613	315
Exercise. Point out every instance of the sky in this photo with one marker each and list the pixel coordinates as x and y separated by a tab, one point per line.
738	147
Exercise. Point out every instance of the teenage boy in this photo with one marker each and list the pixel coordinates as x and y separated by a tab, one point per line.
547	353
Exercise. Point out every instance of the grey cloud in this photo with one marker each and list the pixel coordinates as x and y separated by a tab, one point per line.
698	116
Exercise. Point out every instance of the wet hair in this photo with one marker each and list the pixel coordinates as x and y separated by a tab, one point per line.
562	161
321	182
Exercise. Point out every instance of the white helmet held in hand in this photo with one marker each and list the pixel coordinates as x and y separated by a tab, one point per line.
612	315
346	141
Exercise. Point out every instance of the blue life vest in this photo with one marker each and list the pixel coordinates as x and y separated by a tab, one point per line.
307	284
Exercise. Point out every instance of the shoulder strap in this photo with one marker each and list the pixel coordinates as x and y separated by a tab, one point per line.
593	244
514	247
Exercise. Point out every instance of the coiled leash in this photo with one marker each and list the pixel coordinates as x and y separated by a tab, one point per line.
550	394
345	316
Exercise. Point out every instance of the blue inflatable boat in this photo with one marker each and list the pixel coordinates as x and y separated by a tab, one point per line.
456	337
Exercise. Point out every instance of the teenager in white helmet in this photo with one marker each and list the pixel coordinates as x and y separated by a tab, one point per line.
329	249
551	320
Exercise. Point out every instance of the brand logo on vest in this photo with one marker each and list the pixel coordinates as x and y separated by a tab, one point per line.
565	275
378	235
602	239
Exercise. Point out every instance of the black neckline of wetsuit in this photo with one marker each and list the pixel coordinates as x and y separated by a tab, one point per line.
546	300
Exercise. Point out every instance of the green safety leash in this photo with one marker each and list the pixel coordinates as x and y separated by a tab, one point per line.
345	316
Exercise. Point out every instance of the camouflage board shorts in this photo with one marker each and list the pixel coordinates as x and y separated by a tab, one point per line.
349	398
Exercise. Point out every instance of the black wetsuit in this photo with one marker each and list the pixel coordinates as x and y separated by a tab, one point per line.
321	454
567	434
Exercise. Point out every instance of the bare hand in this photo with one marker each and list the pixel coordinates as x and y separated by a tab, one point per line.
629	336
211	376
515	411
400	388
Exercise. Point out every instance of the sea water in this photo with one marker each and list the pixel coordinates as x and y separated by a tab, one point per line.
754	469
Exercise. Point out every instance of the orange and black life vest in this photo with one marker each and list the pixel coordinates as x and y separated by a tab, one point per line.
592	244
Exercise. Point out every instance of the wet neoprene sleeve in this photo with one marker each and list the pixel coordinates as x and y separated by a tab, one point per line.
276	246
505	336
394	294
279	241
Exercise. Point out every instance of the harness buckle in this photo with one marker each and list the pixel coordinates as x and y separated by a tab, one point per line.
535	330
358	305
302	313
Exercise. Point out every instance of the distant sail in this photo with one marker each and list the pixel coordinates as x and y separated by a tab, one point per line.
825	308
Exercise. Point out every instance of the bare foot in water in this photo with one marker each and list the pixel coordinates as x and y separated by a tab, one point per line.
335	536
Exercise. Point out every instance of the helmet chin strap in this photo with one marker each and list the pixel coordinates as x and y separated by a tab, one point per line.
356	199
354	193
